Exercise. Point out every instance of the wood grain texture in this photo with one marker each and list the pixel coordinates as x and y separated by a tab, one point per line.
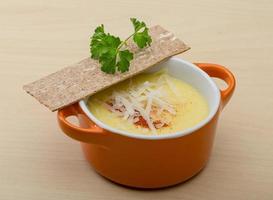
37	161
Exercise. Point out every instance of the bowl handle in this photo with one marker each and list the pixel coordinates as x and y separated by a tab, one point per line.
218	71
92	134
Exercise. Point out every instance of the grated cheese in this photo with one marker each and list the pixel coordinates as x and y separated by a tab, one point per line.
146	101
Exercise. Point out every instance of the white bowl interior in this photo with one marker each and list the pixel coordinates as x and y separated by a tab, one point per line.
187	72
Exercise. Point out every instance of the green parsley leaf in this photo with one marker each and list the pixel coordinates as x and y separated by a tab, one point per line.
101	43
96	48
142	39
125	57
108	62
106	48
137	24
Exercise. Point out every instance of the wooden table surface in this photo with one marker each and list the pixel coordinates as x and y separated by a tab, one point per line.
38	37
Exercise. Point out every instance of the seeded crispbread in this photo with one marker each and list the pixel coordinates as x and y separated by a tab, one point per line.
77	81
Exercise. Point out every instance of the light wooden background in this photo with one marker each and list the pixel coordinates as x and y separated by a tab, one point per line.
38	37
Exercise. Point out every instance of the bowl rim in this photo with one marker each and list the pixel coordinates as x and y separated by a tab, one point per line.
176	134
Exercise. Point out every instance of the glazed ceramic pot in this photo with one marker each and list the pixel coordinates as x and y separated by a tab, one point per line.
152	161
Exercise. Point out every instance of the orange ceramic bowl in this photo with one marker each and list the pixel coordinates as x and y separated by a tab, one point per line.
143	161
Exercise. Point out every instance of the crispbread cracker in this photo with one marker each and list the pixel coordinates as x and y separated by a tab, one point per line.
77	81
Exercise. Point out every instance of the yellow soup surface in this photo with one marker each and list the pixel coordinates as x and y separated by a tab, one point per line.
150	103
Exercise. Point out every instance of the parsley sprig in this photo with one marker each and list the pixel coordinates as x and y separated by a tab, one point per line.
111	52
